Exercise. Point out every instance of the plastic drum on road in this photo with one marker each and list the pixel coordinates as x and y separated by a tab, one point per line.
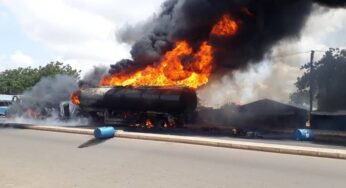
104	132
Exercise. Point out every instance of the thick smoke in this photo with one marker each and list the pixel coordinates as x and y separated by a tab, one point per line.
46	96
262	23
92	78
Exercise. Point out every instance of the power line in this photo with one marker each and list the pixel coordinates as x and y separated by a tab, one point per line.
296	53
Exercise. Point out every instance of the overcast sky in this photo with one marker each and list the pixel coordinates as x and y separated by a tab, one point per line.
79	32
82	32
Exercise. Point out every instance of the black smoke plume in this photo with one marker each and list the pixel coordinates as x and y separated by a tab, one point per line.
262	23
92	78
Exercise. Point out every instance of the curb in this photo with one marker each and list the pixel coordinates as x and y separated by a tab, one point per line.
274	148
56	129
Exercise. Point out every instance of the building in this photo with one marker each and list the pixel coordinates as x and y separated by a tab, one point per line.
335	121
273	115
263	114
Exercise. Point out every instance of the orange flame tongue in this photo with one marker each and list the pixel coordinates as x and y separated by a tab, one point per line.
225	27
75	98
171	71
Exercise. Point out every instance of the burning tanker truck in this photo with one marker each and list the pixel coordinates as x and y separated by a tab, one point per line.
150	107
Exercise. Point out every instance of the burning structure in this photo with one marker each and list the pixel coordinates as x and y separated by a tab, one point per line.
189	43
180	50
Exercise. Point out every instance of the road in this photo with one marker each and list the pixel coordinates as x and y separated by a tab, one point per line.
35	159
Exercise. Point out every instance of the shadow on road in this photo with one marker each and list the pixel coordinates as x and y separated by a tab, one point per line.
6	125
92	142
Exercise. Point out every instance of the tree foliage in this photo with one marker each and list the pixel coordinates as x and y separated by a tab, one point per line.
328	79
15	81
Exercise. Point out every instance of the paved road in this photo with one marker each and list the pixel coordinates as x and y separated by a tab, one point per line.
45	159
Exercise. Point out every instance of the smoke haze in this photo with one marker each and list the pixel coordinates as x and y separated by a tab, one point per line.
50	91
44	98
266	28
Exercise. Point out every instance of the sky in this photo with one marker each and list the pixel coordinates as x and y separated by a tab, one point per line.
82	33
78	32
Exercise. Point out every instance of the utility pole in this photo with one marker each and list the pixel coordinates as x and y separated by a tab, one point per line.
311	92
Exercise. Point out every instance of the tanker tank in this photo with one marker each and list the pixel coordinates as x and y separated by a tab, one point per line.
157	102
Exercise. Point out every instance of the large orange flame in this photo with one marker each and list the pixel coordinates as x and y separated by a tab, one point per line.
171	71
225	27
182	66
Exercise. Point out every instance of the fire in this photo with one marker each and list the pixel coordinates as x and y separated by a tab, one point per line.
172	70
31	113
182	66
225	27
148	124
75	98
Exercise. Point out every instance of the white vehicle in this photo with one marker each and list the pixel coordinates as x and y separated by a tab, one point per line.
3	107
5	102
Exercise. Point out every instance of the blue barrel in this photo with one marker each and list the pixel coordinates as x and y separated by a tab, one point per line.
303	134
104	132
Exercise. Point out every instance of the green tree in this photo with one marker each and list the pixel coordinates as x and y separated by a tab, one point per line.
15	81
329	78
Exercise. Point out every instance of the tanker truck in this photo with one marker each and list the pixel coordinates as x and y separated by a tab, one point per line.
151	107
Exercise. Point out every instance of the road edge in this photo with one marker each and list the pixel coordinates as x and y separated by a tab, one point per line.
264	147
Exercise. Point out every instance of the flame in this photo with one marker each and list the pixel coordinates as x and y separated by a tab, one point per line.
225	27
182	66
172	70
148	124
75	98
31	113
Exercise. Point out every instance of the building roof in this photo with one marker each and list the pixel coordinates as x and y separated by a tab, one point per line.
267	106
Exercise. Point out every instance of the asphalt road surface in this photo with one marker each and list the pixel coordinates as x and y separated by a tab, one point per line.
35	159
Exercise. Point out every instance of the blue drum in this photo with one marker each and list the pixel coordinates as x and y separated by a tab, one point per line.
303	134
104	132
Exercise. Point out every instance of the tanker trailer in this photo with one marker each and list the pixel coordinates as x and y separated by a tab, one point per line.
152	107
